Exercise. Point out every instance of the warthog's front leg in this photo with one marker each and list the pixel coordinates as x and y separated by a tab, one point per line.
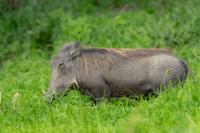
100	92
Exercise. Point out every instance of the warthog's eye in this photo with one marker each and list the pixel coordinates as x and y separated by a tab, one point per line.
61	66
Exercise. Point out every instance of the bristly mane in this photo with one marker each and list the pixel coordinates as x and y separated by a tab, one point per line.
125	53
93	51
93	59
102	59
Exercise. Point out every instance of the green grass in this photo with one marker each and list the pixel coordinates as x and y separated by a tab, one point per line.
25	77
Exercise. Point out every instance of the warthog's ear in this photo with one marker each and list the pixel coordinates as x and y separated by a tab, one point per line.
75	50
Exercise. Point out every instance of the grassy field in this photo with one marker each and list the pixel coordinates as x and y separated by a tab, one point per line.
32	35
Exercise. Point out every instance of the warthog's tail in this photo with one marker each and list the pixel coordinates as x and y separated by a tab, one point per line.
187	71
185	67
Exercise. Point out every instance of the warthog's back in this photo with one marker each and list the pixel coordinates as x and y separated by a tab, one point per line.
137	53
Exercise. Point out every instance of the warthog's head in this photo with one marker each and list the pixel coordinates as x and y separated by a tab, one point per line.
63	73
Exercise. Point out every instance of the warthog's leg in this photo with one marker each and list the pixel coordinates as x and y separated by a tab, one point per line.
100	92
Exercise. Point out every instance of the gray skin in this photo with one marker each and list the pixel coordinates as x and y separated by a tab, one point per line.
105	73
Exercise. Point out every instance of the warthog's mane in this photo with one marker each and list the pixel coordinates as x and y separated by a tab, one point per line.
123	53
93	59
102	58
137	53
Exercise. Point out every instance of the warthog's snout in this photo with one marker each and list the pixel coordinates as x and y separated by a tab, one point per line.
57	92
49	96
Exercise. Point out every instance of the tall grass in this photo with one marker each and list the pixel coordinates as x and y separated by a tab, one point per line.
32	34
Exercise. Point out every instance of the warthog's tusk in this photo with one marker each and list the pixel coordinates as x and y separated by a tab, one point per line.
74	82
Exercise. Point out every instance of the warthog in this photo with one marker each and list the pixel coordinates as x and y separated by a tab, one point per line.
109	72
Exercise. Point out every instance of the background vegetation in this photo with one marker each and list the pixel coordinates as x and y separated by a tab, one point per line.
33	31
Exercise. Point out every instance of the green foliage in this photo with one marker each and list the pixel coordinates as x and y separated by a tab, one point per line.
35	31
